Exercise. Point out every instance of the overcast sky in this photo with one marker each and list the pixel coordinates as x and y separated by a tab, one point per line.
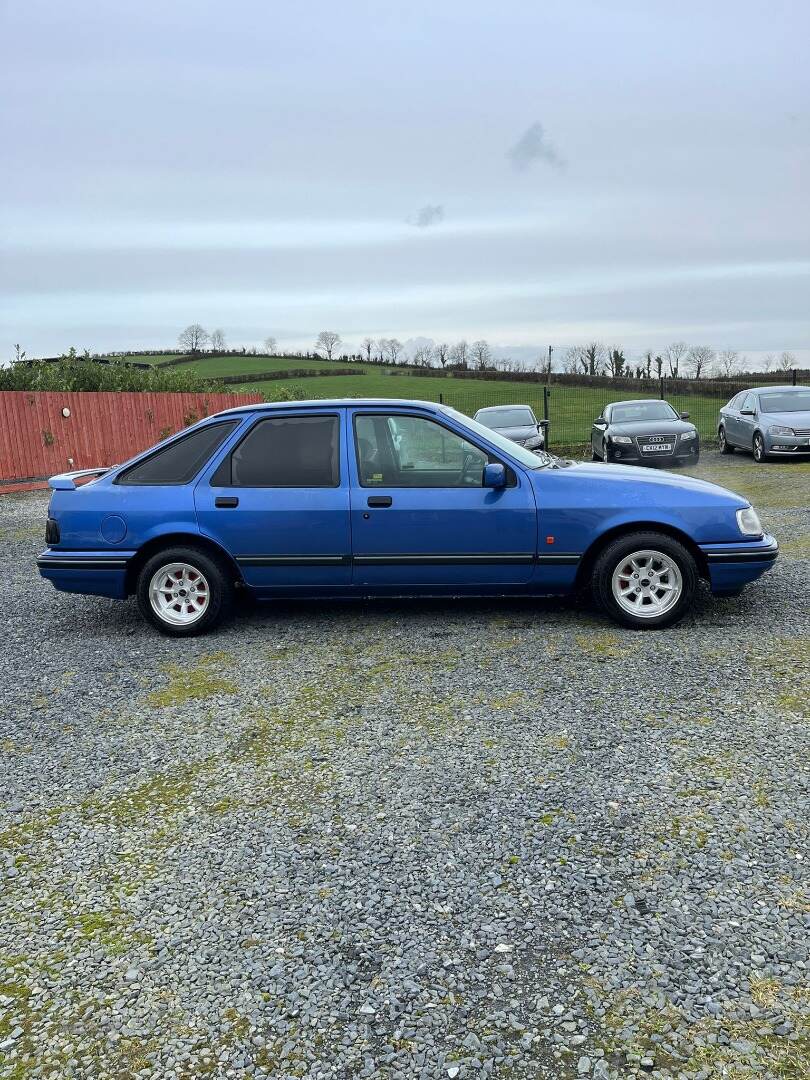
530	172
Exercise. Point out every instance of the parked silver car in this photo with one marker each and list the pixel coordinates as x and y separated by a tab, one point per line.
515	422
770	421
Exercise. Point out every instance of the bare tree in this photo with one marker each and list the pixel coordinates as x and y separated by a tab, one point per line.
659	366
728	361
19	354
675	354
217	340
423	356
326	342
460	353
648	362
700	359
482	354
193	338
442	352
787	361
573	360
393	348
367	348
768	361
270	346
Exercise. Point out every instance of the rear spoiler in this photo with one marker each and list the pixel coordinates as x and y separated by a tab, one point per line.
66	481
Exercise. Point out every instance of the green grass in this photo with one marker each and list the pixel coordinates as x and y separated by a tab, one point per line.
572	409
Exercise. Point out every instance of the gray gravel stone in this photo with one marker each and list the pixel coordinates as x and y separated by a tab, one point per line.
436	839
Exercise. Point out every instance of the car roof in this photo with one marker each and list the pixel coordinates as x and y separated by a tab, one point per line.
337	403
502	408
781	389
639	401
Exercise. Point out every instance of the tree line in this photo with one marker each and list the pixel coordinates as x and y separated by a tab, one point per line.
677	360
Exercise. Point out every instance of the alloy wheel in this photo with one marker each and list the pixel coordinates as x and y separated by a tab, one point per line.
647	583
179	594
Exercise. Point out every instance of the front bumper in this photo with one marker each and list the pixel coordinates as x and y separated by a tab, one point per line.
733	565
787	445
95	573
632	454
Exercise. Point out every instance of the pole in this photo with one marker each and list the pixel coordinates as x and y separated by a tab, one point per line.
545	414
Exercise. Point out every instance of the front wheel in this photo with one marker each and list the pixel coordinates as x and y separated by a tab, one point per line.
183	591
725	445
760	454
645	580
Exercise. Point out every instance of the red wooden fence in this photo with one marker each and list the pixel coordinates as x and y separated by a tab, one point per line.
46	433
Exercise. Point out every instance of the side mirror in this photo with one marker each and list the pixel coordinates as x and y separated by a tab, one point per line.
684	415
746	412
600	422
494	475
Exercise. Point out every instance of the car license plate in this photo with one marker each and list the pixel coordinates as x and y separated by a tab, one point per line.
666	446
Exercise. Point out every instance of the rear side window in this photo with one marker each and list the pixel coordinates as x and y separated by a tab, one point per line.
288	451
180	462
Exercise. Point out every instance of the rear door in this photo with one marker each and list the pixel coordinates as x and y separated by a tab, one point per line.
731	419
278	501
420	515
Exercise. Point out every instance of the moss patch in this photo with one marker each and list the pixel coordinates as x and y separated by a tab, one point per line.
194	683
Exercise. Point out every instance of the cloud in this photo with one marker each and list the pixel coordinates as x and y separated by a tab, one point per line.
533	146
428	215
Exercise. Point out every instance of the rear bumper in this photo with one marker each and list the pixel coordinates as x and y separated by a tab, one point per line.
96	573
733	565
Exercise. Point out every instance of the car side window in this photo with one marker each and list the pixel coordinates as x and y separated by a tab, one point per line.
180	461
284	452
411	451
750	402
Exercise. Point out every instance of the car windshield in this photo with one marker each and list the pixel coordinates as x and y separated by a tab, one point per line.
642	410
789	401
506	418
525	457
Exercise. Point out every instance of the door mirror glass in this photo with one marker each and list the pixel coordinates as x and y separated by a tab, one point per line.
746	412
494	475
684	415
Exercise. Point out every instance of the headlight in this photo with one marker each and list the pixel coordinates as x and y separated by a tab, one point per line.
688	435
748	522
620	439
777	429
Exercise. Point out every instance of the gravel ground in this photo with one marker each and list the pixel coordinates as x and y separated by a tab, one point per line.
499	839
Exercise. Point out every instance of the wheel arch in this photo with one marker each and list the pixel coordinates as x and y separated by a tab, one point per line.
174	539
592	553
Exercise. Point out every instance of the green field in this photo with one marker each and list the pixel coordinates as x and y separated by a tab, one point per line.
571	408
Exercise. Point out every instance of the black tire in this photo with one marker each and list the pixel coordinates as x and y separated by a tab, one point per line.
609	560
219	587
725	445
758	449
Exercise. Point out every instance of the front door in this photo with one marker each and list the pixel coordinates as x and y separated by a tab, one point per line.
744	425
420	515
279	502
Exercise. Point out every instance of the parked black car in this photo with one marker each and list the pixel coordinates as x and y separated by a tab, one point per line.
644	432
515	422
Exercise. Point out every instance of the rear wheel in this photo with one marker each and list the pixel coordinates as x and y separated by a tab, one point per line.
646	580
725	445
184	591
760	454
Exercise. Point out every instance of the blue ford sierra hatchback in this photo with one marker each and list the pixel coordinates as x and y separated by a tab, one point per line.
356	498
